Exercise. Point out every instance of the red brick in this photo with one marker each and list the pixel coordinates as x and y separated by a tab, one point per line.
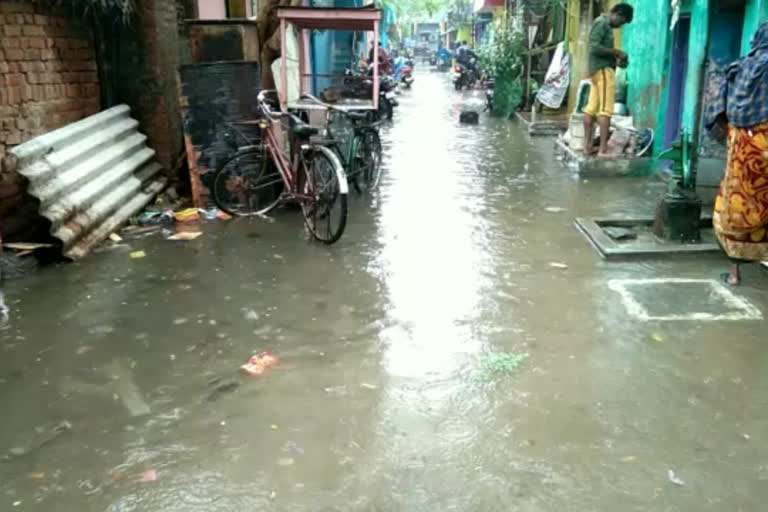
32	54
14	95
50	42
47	54
73	91
26	92
32	30
10	42
41	20
54	65
13	67
36	42
14	79
4	67
13	137
21	123
29	19
32	66
62	42
90	90
12	30
14	54
7	7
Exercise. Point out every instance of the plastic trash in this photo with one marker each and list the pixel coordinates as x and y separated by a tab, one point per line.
135	255
674	478
153	218
184	235
187	215
257	364
149	475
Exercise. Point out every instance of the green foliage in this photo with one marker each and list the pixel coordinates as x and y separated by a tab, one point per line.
502	57
502	363
414	10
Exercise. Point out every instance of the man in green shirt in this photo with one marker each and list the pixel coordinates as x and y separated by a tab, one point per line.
603	58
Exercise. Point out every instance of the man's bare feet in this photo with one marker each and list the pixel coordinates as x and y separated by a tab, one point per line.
590	151
604	155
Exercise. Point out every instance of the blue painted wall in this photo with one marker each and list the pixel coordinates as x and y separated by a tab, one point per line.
755	12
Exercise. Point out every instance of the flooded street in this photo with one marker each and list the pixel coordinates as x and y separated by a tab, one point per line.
433	360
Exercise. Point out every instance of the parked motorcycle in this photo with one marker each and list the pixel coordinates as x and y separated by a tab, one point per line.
359	85
402	72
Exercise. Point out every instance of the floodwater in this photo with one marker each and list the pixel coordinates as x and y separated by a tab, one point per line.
120	388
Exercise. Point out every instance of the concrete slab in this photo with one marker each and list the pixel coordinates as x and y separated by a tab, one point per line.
545	124
646	244
593	166
676	299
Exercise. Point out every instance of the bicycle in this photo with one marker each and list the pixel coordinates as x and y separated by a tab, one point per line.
258	177
363	155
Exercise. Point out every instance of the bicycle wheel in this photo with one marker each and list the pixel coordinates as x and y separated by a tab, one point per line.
325	214
368	161
247	184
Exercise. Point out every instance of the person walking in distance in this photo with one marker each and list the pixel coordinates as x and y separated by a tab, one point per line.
603	59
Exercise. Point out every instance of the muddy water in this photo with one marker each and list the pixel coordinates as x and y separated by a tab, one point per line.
382	399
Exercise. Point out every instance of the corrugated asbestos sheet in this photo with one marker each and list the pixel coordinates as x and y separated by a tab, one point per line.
90	177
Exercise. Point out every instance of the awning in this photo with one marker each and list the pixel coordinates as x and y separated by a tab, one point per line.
330	18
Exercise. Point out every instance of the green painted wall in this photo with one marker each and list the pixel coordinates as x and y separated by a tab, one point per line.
755	12
646	40
697	52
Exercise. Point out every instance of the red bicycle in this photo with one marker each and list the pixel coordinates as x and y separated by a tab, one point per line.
285	165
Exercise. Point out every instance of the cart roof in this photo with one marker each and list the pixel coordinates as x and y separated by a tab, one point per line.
330	18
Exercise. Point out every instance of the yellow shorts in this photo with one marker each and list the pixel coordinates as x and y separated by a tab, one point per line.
601	93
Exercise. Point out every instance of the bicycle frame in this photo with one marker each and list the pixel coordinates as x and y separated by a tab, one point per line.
287	164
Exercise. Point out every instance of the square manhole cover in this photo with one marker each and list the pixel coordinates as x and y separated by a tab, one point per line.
682	299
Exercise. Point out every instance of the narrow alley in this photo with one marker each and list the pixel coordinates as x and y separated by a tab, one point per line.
463	347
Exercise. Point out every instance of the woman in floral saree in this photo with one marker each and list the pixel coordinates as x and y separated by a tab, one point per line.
741	209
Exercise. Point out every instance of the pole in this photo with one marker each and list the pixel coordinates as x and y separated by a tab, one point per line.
283	68
376	65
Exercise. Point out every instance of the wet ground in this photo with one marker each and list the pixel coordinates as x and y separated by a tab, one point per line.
431	360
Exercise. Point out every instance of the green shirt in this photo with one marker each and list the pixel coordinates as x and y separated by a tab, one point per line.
600	35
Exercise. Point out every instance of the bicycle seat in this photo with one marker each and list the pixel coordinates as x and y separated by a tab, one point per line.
303	130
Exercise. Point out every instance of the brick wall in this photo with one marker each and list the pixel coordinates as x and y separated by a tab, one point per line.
48	79
48	74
